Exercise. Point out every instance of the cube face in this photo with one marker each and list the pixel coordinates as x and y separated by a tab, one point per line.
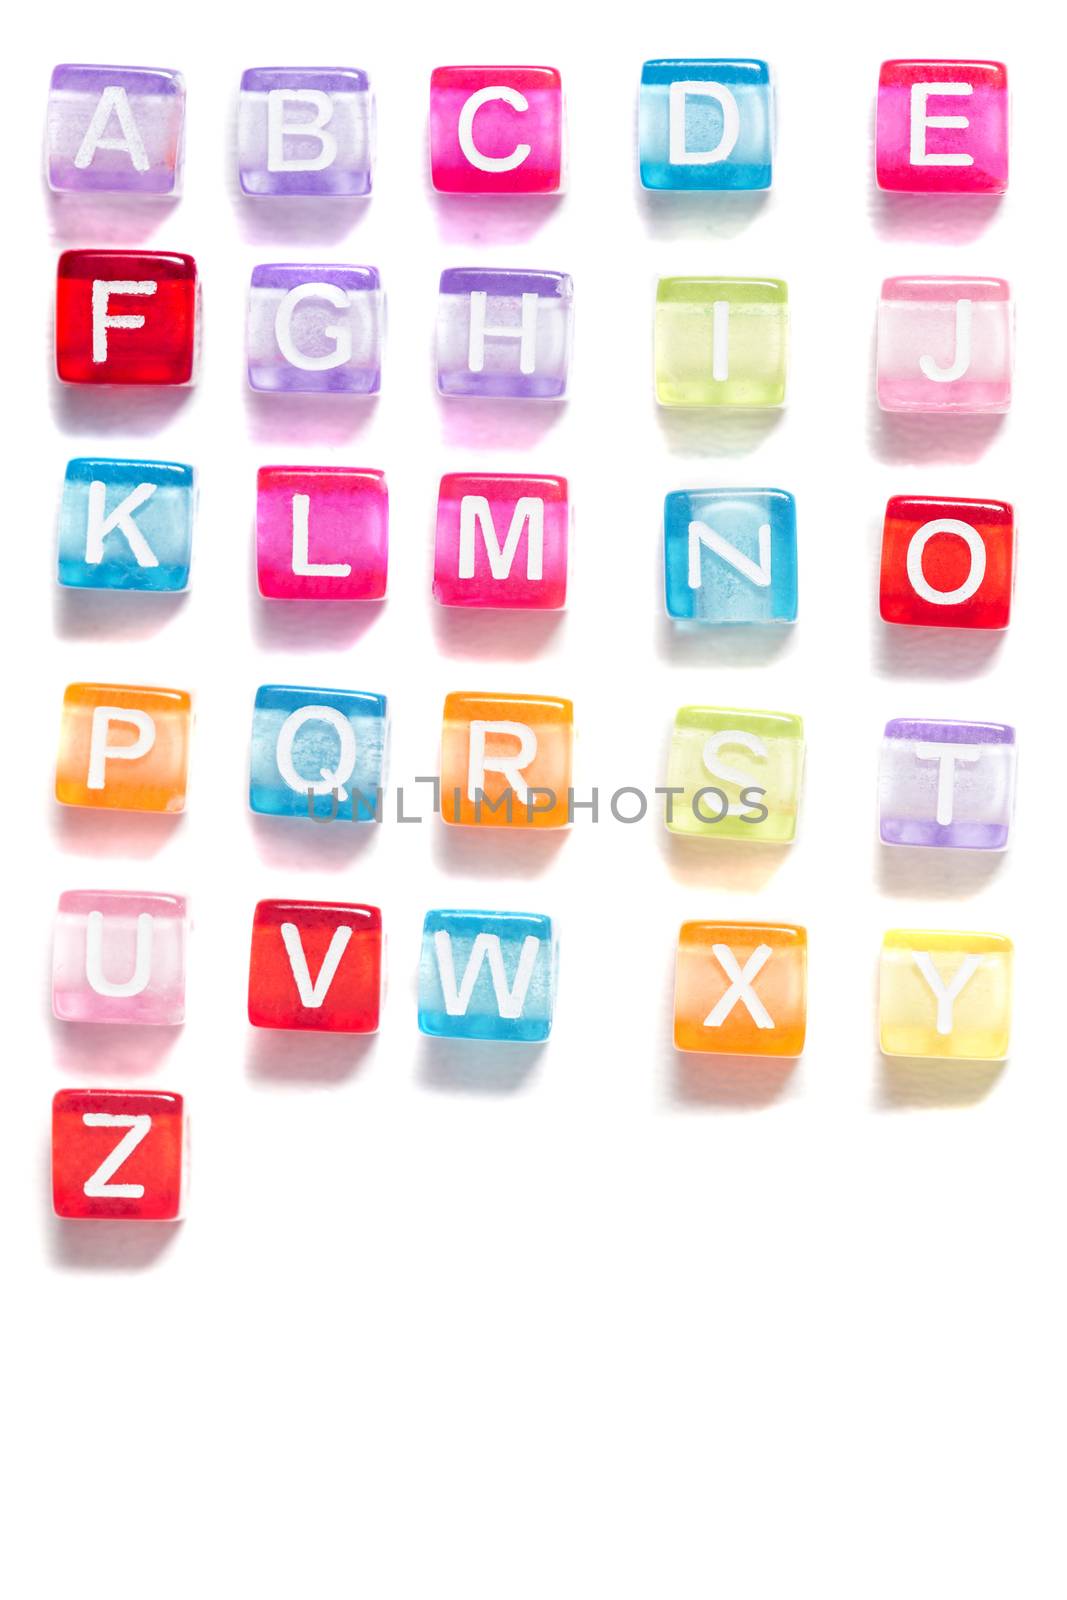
126	316
115	130
705	125
126	525
119	957
322	533
317	753
741	989
737	773
945	344
947	563
487	975
504	333
730	556
124	748
305	130
947	784
721	341
506	761
315	330
501	541
496	130
118	1153
315	965
945	996
942	127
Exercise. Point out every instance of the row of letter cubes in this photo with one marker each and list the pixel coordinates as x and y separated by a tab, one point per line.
503	540
131	317
740	990
506	761
942	127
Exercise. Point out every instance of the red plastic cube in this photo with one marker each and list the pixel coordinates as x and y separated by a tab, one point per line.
118	1153
126	316
947	563
315	964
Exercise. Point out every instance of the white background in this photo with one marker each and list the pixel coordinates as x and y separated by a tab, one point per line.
607	1320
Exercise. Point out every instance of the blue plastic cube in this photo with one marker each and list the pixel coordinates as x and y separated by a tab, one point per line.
730	555
487	975
126	525
706	125
317	753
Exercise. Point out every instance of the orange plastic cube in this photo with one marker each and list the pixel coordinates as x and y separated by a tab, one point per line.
123	747
506	760
740	988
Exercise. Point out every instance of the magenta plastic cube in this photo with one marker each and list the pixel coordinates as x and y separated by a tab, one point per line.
942	127
501	541
496	130
119	957
322	533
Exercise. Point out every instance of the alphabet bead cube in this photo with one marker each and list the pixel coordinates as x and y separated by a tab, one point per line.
126	316
730	555
506	761
721	341
945	344
315	330
501	541
942	127
119	957
487	975
949	784
317	753
947	563
315	965
305	130
115	130
496	130
503	332
322	533
705	125
736	774
945	996
740	989
126	525
118	1153
123	747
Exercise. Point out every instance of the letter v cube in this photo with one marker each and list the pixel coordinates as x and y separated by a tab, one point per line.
487	975
315	965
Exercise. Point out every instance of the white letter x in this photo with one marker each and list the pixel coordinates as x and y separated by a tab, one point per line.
740	986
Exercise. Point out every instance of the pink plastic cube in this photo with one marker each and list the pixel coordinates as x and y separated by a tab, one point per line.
501	541
119	957
945	344
942	127
496	130
322	533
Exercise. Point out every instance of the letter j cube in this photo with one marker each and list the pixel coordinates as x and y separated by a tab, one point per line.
945	996
487	975
124	748
945	345
126	316
506	761
740	989
721	342
119	1154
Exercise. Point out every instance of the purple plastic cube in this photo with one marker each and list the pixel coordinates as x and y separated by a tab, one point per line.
305	130
504	332
315	330
947	784
116	130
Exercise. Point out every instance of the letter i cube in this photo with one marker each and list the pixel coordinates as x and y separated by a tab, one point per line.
501	541
741	989
721	341
322	533
487	975
124	748
118	1153
942	127
315	965
126	316
945	996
